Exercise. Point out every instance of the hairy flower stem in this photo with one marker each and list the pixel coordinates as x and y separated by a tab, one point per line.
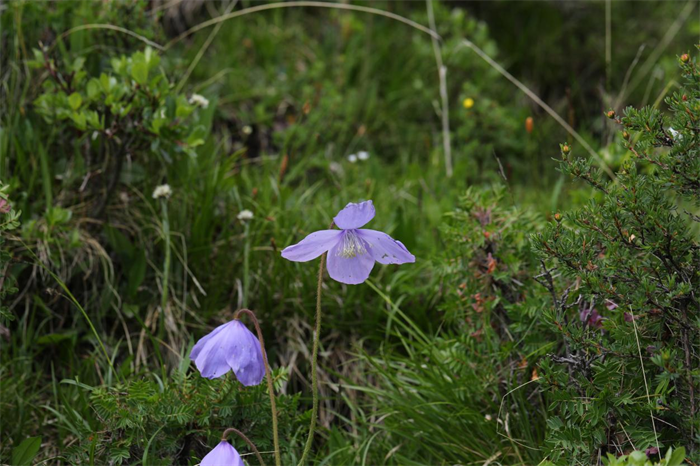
247	440
314	365
270	388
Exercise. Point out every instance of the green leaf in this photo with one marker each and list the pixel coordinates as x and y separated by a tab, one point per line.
93	89
75	100
137	270
677	457
25	452
139	71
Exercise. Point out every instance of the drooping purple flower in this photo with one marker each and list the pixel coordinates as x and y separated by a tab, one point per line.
223	455
610	304
230	346
651	451
591	317
352	251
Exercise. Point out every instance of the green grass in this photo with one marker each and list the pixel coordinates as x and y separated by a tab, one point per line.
313	87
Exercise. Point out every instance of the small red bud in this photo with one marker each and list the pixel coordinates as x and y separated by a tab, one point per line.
685	58
626	135
557	217
529	125
610	114
565	149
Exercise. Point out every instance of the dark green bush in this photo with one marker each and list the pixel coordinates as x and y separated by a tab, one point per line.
623	273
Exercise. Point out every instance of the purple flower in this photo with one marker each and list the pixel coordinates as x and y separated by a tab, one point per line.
230	346
651	451
5	206
223	455
351	252
591	317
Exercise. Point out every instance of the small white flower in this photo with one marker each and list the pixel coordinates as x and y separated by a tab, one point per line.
245	215
675	134
352	158
162	191
335	167
363	155
199	100
247	130
488	417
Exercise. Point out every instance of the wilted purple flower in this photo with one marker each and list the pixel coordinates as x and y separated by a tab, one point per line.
610	304
591	317
651	451
230	346
629	317
351	251
223	455
5	206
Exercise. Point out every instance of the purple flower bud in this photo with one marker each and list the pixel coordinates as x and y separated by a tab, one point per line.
223	455
629	317
651	451
352	251
230	346
610	304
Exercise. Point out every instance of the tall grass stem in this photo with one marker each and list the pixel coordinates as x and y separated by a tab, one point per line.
245	438
270	388
314	365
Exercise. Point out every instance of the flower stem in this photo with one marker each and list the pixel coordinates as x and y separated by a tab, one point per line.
247	440
270	386
314	364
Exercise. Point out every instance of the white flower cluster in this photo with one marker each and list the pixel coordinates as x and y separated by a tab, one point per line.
162	191
362	155
199	100
245	215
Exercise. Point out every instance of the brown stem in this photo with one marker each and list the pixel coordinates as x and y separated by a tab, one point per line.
270	386
247	440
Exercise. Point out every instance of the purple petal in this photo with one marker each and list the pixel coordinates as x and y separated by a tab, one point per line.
354	215
312	246
223	455
385	249
246	357
209	354
230	346
350	261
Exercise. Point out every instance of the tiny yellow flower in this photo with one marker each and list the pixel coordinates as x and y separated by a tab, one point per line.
468	102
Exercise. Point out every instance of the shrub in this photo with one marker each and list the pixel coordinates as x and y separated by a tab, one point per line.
623	273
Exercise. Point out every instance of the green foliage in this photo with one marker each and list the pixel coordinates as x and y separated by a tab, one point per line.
92	121
25	452
639	458
131	111
179	420
476	371
628	267
9	220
